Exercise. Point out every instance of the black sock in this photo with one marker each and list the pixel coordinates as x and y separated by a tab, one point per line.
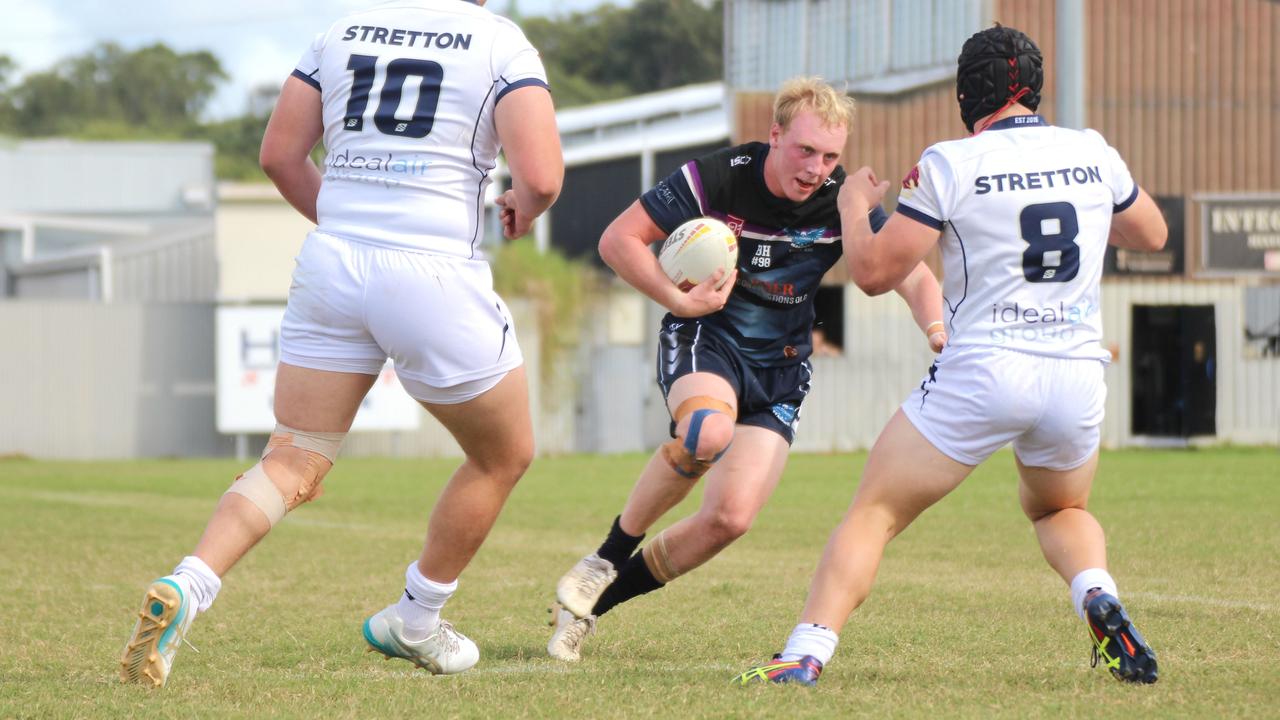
634	579
619	545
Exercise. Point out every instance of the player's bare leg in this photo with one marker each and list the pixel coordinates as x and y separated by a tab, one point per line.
1075	546
659	488
734	492
306	400
496	435
904	475
1056	503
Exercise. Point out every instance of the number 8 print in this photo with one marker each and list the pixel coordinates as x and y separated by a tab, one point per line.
430	75
1050	230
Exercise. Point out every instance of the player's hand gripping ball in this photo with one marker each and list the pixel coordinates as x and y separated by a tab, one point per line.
696	250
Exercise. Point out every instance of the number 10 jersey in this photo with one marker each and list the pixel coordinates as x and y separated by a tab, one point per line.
1025	212
409	90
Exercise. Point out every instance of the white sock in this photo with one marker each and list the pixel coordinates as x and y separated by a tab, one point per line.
420	604
1087	580
809	639
204	583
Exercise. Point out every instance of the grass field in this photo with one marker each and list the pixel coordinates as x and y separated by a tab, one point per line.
966	619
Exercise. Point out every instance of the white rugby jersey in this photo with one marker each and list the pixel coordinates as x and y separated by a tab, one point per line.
409	90
1025	211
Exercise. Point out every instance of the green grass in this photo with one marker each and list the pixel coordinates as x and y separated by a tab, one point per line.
966	619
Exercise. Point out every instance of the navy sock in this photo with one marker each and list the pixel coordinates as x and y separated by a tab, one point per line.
619	545
634	579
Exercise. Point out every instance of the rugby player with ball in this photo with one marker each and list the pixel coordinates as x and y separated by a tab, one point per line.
733	360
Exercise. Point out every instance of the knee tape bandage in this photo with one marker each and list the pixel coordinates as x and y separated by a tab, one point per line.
682	456
658	559
276	498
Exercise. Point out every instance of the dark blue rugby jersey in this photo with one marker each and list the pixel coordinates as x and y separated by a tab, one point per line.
784	248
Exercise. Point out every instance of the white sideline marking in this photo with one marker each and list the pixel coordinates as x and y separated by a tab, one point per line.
123	499
1204	600
524	667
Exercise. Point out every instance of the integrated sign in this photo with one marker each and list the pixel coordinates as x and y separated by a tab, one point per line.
248	349
1240	234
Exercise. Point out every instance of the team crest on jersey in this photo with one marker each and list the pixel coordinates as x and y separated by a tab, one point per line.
739	160
735	224
805	238
912	180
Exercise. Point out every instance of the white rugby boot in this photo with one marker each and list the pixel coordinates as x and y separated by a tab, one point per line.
583	585
569	634
167	611
444	652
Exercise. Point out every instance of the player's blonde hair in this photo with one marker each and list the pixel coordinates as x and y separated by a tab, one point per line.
809	92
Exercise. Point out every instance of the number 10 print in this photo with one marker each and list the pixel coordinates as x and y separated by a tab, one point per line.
429	76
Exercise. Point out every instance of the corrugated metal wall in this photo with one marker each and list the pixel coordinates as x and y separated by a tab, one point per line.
89	380
177	270
855	394
112	178
85	380
1248	389
845	41
1187	90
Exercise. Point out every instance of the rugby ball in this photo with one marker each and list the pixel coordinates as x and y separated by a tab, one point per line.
696	250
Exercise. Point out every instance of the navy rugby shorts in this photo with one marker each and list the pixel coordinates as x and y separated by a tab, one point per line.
768	397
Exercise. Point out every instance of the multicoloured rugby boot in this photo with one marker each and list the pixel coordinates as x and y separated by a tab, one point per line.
1116	641
804	671
167	611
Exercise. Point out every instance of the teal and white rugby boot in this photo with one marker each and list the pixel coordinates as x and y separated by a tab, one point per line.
444	652
167	612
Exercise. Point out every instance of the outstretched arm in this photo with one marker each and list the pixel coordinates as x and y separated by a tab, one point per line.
879	262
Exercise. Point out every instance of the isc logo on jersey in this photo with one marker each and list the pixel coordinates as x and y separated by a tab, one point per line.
696	250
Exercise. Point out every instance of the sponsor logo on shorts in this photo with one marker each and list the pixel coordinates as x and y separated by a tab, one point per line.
786	413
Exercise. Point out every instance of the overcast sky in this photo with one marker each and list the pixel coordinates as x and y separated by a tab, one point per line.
256	41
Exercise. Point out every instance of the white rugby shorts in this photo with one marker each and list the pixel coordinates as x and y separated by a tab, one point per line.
976	399
353	305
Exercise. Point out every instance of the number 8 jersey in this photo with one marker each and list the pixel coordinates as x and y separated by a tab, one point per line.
1025	212
409	90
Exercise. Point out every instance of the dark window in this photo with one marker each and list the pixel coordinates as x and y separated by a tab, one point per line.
593	195
1174	370
828	323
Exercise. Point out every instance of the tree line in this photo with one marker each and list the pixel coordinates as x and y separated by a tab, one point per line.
157	93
